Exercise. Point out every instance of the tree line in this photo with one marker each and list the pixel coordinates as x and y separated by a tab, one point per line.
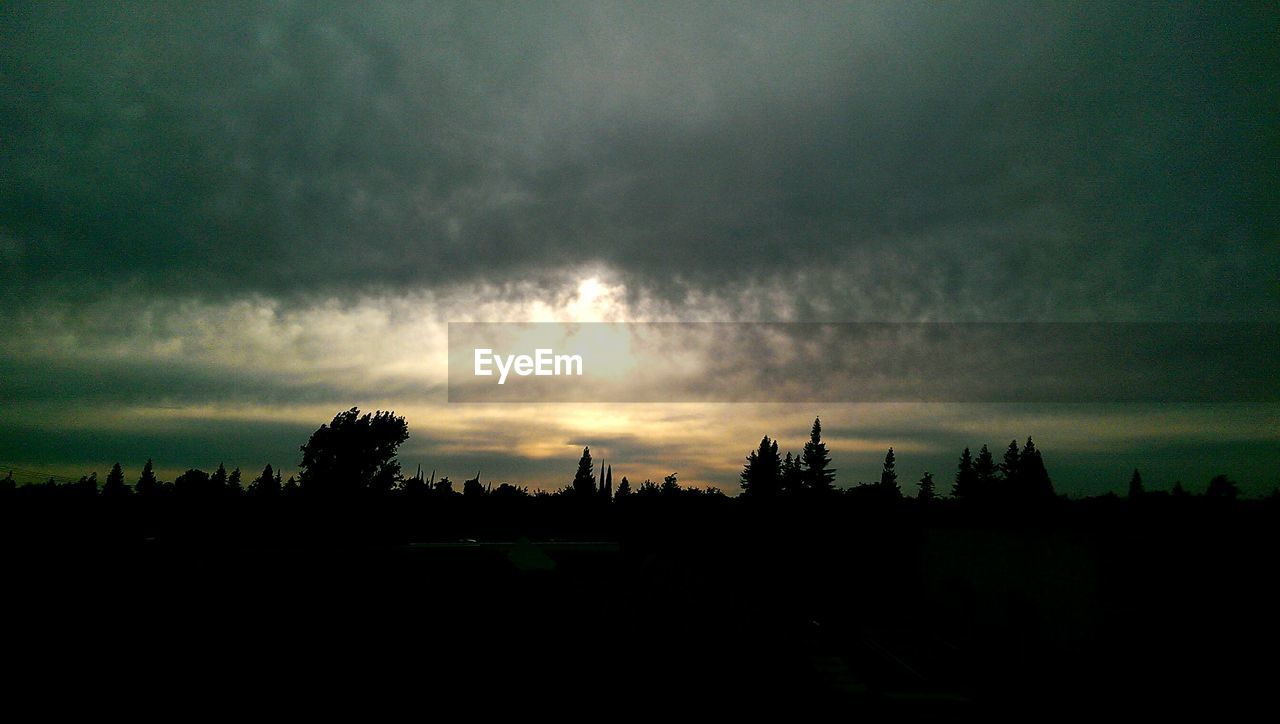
355	454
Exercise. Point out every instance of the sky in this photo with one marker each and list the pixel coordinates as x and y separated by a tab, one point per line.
223	223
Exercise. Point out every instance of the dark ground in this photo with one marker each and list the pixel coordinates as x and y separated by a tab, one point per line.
293	604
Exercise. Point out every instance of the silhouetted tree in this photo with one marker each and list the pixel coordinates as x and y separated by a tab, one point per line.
889	477
509	491
193	483
353	454
791	480
219	478
1135	485
1178	491
925	485
1035	477
1222	487
606	490
86	486
147	484
8	486
290	487
966	482
233	482
761	475
624	488
984	471
819	477
471	488
1011	473
443	487
416	486
648	489
115	487
266	485
584	483
670	487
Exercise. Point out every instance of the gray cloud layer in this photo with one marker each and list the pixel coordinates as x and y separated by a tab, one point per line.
879	161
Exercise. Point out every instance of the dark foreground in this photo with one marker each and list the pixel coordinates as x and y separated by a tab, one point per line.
817	608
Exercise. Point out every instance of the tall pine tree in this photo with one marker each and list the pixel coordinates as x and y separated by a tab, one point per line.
984	471
966	482
1035	478
115	487
147	484
1010	472
761	476
818	476
925	485
889	477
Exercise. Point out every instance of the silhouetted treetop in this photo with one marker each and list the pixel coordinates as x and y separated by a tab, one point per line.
115	487
584	481
1222	487
818	475
353	454
1135	485
761	476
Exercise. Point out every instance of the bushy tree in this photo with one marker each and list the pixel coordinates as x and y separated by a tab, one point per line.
624	489
353	454
193	483
1222	487
670	486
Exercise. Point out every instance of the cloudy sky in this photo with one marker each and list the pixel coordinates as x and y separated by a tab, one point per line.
222	223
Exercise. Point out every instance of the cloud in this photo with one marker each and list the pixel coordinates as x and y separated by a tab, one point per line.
879	162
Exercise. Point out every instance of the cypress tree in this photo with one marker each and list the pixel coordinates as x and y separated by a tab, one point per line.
584	484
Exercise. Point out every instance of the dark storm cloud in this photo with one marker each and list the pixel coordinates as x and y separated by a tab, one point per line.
881	160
